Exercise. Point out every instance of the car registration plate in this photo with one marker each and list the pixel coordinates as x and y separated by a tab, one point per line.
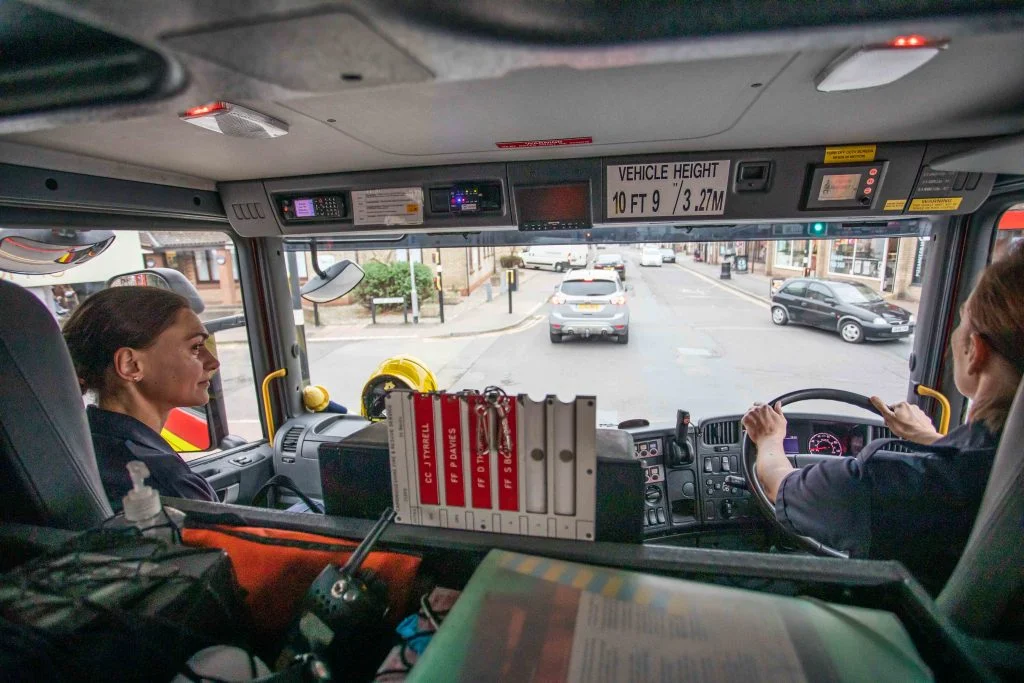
588	307
901	328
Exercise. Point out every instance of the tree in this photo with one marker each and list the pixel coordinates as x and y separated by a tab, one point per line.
386	280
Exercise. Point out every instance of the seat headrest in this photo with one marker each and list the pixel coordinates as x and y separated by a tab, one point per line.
48	472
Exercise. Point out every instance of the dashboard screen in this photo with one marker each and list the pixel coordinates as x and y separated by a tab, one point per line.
820	437
839	187
557	203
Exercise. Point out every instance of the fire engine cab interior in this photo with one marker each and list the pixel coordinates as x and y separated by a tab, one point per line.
288	125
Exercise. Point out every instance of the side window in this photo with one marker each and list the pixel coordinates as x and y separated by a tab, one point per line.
1009	233
210	265
796	289
818	292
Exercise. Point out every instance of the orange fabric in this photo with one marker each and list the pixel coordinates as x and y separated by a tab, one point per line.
277	577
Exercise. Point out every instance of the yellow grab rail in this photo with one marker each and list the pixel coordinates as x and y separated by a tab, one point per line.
267	412
922	390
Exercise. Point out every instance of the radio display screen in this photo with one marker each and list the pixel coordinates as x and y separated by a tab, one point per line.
304	208
839	187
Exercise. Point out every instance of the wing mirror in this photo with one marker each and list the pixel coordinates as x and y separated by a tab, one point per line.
830	301
45	252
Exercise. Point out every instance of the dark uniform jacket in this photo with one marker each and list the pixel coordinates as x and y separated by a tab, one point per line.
118	439
915	507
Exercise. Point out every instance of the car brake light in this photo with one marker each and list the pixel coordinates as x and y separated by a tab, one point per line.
558	299
618	300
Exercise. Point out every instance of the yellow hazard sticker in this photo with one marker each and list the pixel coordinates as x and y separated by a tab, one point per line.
849	154
936	204
894	204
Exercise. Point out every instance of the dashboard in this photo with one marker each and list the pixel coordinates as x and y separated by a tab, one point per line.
699	486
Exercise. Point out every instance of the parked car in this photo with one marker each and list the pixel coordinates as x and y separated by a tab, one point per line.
852	309
611	262
589	303
560	258
650	256
668	255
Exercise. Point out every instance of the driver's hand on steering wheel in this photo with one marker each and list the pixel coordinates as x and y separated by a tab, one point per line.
765	424
907	421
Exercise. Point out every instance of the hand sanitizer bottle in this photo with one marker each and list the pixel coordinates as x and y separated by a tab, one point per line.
143	509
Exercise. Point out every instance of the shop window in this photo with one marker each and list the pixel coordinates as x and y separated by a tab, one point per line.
792	253
862	258
1010	233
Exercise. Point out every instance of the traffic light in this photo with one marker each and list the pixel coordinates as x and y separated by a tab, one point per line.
817	229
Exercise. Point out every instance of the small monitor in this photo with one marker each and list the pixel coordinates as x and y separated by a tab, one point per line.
554	207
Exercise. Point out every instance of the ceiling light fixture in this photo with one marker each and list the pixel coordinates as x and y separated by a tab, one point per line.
874	65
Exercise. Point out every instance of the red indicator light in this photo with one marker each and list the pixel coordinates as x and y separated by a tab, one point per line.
867	190
909	41
205	109
873	171
871	181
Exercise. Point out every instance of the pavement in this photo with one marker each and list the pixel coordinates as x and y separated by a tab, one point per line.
755	284
473	315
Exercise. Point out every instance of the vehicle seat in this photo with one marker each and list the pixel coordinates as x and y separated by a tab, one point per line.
48	471
984	594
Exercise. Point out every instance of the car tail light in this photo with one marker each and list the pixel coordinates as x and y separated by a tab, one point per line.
558	299
618	300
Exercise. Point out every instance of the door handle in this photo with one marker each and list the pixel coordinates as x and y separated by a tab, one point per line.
228	495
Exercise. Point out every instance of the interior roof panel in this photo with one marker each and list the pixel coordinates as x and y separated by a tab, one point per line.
458	117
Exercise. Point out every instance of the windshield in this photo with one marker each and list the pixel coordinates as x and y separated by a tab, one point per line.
594	288
855	293
685	339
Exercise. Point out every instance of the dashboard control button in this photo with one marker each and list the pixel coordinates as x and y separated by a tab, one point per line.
651	518
721	449
688	489
718	486
727	509
709	482
725	464
661	515
708	465
652	494
711	492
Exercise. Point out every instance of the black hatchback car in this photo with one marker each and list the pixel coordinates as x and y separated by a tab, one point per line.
852	309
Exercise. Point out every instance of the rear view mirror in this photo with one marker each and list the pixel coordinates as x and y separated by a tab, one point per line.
44	252
333	283
163	278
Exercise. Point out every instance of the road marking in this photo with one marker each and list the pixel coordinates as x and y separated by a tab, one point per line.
690	351
742	295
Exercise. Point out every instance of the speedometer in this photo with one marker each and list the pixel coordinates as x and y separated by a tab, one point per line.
825	443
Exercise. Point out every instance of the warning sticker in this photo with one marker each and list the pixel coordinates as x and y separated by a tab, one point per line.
849	154
394	206
670	189
894	204
936	204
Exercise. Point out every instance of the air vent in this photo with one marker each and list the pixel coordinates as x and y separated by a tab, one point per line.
290	442
720	433
886	433
248	211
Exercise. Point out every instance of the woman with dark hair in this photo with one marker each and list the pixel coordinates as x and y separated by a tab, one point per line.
917	507
142	351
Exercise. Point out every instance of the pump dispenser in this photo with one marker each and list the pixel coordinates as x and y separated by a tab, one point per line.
143	509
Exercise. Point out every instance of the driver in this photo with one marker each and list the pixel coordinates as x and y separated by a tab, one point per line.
915	507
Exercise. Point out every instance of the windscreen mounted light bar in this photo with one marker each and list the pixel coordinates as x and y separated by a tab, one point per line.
234	120
874	65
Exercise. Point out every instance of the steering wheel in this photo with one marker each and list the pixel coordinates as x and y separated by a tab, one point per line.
749	457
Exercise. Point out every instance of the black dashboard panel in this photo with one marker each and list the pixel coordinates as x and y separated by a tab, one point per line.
705	493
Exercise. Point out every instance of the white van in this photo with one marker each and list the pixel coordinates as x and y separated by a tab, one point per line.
558	257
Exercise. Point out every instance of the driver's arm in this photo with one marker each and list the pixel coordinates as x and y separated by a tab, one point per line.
766	427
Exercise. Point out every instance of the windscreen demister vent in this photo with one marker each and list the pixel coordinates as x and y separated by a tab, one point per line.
886	433
721	433
290	442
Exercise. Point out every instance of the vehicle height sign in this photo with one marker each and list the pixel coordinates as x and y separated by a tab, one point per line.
668	189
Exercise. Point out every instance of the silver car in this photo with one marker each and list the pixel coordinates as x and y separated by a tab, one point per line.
590	303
